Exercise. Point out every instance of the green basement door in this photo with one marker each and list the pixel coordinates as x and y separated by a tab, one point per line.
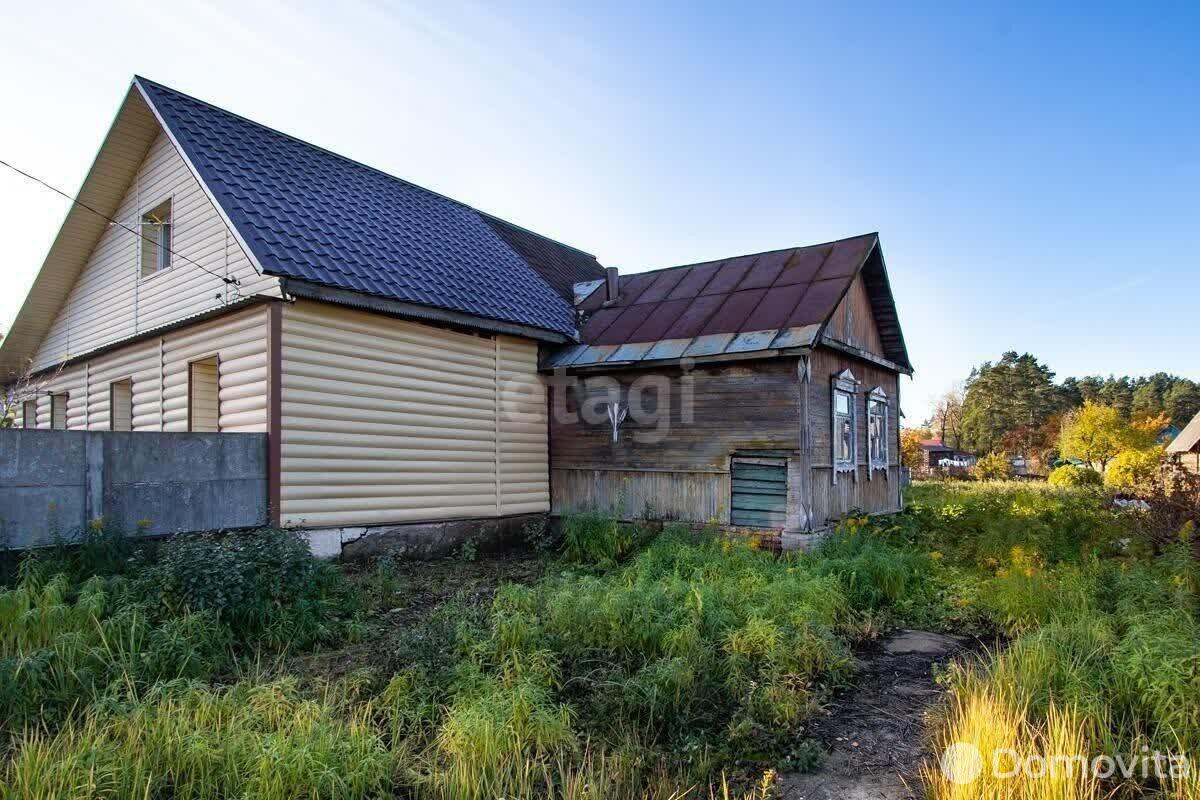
759	489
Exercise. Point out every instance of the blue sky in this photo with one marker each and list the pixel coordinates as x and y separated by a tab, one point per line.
1034	172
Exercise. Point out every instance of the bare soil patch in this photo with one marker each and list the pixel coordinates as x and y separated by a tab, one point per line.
874	731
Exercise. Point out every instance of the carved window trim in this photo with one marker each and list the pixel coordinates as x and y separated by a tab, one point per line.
877	408
844	384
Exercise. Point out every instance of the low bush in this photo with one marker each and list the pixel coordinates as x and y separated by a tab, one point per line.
593	537
1133	471
1072	476
264	585
992	467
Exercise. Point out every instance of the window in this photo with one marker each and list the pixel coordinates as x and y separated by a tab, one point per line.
156	239
843	426
120	405
58	411
844	432
877	430
204	404
29	414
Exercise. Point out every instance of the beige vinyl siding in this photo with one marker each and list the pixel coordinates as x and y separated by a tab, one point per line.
204	406
524	475
111	300
120	394
385	420
157	370
58	411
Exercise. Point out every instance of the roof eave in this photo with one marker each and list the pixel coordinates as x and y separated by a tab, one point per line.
417	312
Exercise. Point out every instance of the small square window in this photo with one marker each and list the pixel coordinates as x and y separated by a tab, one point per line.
156	239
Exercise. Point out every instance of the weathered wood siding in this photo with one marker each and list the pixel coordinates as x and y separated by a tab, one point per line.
157	369
853	321
675	464
863	490
111	300
390	421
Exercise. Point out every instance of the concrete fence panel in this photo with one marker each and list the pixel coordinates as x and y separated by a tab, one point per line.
54	483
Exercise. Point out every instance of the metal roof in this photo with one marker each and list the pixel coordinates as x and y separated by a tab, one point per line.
766	301
309	214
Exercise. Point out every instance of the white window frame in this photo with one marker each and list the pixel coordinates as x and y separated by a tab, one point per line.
877	407
843	384
29	420
162	236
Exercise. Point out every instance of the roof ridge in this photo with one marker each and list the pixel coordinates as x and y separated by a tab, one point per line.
142	79
752	255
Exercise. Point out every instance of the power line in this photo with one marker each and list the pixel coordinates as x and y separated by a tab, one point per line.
235	282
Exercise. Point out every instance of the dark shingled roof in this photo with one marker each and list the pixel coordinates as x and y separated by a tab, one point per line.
776	299
312	215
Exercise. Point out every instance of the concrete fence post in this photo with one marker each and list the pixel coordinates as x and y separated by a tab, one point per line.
93	479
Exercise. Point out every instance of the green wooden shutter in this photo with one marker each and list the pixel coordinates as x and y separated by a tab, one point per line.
759	492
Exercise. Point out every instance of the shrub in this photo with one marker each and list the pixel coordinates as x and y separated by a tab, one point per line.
265	585
1133	470
992	467
593	537
1072	476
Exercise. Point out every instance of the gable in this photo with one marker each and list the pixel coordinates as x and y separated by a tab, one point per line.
111	300
87	293
853	321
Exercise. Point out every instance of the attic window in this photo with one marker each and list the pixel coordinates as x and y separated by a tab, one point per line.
156	239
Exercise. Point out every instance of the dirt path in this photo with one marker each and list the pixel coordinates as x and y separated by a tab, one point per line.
874	732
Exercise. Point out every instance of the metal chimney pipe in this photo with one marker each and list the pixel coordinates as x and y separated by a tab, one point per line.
611	284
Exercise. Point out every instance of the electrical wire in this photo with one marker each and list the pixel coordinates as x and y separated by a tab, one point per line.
235	282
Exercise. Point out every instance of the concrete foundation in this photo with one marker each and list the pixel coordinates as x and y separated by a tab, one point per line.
419	540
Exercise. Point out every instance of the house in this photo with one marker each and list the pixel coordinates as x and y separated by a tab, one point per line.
384	337
940	456
1185	448
758	391
401	350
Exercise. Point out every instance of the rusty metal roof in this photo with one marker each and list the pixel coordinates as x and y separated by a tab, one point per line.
773	300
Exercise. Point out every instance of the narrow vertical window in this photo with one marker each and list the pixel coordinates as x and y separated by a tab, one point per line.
120	405
204	405
58	411
843	426
877	429
844	431
29	414
156	238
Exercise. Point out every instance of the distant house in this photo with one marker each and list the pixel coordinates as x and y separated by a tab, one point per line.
1185	448
940	456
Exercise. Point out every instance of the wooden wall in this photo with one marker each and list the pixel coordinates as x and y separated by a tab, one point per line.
873	492
675	464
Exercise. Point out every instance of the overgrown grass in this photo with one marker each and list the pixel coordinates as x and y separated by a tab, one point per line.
640	667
